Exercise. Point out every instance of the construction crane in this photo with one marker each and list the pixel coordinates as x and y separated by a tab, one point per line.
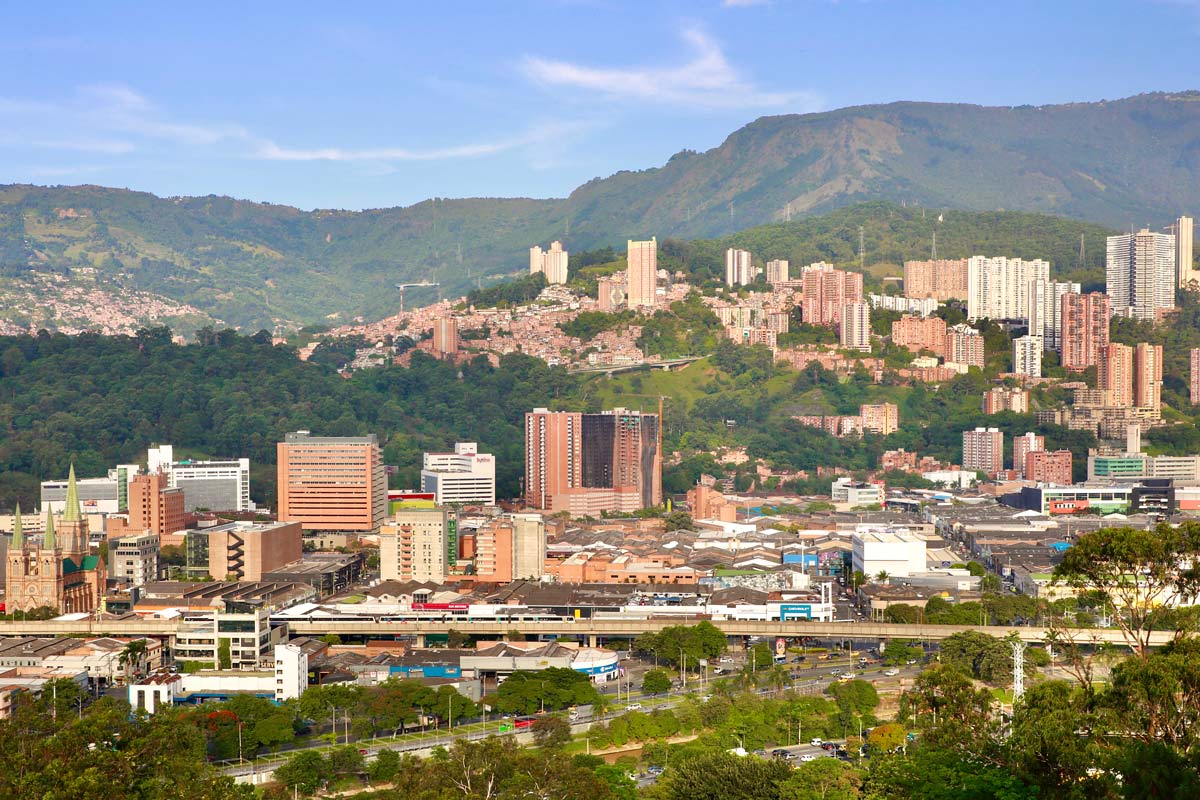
403	286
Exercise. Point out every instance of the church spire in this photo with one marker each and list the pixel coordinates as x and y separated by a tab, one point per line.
49	541
18	532
71	512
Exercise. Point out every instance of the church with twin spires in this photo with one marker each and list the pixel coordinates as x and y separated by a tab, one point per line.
61	572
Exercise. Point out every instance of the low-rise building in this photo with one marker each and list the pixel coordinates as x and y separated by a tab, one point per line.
134	559
897	552
856	493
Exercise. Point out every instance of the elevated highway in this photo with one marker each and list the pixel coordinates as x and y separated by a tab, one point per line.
591	631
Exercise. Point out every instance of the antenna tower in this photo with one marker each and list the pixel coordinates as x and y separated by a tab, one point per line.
1082	252
1018	658
934	252
862	254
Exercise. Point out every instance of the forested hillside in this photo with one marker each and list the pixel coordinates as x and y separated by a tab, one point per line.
98	401
256	265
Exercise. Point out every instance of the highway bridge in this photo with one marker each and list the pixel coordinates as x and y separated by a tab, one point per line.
590	631
613	369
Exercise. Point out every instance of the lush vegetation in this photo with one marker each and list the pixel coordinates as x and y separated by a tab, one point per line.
53	751
509	293
258	265
99	401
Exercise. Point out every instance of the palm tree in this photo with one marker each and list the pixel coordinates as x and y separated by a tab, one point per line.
779	678
882	576
133	656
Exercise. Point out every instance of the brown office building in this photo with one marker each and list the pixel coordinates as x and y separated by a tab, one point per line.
154	508
332	483
244	551
590	463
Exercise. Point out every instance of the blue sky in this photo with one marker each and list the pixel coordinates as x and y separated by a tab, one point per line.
362	105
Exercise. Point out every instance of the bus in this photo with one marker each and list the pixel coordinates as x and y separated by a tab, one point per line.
524	722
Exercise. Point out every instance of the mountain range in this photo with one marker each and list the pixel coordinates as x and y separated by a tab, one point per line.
1125	162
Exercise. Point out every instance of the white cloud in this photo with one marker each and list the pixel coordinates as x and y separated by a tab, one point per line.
273	152
535	136
119	120
707	80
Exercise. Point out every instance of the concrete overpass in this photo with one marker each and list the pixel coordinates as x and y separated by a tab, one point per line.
594	631
590	631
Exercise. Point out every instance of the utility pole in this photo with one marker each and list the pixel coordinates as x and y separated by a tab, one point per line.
862	256
1082	251
933	255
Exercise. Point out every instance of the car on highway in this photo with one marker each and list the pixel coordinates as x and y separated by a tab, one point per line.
779	752
891	673
828	746
817	742
808	757
848	676
634	707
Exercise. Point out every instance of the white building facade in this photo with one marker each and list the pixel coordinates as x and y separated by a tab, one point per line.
1141	274
465	476
998	288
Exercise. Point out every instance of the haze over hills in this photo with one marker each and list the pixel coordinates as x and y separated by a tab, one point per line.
1131	161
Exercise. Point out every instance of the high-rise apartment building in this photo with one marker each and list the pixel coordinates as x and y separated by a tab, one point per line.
1023	445
1049	466
964	345
1147	376
1027	356
1194	376
1085	322
1045	310
854	332
825	291
777	271
739	268
642	276
983	450
464	476
1141	274
331	483
509	548
1185	257
998	288
920	333
552	262
881	418
610	293
1003	398
445	336
1114	375
942	279
415	545
590	463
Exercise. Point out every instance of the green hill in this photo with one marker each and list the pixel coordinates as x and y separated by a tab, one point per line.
1131	161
